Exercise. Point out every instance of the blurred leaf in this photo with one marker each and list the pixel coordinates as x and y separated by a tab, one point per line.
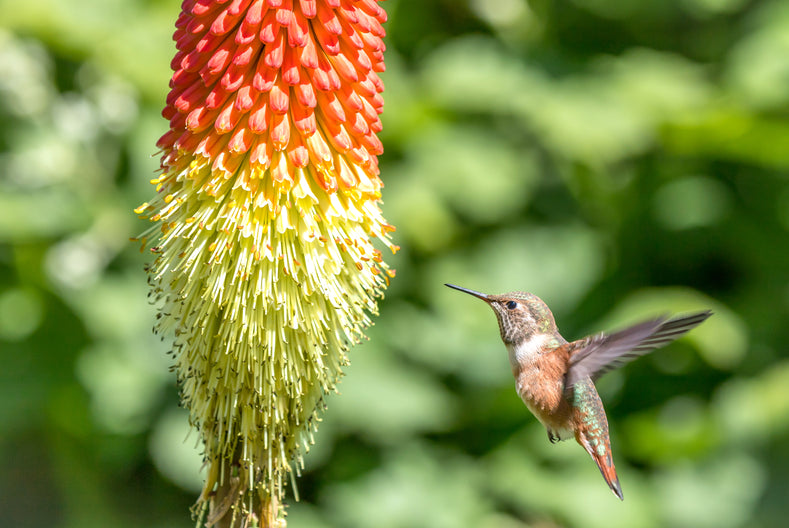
176	450
124	389
680	430
386	402
20	314
691	202
733	134
415	210
723	492
474	73
19	218
660	86
100	29
754	409
415	487
477	173
557	263
758	67
570	492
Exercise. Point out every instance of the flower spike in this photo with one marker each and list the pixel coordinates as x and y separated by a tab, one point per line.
265	214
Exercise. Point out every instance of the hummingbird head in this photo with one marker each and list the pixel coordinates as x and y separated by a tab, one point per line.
521	315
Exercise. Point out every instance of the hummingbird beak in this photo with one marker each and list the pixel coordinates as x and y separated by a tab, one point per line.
477	294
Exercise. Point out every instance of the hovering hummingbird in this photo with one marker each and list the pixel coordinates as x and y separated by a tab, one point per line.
555	379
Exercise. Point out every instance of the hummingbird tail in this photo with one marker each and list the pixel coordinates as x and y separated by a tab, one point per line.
605	464
608	470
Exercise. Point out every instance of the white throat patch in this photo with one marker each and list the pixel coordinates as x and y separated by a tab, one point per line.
525	352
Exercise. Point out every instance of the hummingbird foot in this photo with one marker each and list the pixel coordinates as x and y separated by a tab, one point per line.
553	437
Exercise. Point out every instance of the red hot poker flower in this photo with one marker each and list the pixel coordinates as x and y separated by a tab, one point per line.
266	208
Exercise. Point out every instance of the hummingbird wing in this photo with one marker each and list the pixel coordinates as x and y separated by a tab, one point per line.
598	354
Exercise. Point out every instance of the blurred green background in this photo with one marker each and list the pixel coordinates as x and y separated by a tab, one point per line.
619	158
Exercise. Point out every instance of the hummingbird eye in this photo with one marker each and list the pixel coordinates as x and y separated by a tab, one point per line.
511	305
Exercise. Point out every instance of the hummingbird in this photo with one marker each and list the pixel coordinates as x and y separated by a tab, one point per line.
555	378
